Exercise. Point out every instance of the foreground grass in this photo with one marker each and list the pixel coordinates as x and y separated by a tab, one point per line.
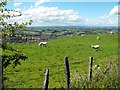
30	74
111	79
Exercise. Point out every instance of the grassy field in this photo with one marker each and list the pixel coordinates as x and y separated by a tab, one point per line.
30	74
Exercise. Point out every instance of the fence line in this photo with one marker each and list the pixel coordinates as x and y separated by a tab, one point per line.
67	73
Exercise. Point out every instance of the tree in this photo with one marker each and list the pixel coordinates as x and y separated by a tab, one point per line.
8	29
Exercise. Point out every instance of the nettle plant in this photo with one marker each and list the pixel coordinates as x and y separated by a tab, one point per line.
8	29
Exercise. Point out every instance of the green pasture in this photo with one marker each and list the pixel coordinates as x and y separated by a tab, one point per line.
30	74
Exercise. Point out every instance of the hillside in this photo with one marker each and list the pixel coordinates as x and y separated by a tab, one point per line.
31	71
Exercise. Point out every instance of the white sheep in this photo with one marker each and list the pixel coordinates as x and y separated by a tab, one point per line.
82	35
95	47
42	44
98	38
111	32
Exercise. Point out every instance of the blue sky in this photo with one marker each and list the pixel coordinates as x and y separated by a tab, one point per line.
85	9
70	0
67	13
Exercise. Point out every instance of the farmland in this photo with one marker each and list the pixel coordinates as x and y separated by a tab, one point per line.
30	74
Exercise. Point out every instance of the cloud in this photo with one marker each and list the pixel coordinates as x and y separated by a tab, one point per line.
108	20
103	17
49	16
40	2
111	18
103	21
16	4
18	9
115	10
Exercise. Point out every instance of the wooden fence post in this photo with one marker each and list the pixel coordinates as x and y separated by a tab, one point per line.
46	81
90	68
108	67
67	72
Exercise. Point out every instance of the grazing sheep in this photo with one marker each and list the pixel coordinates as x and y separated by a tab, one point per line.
98	38
95	47
96	67
111	32
82	35
42	44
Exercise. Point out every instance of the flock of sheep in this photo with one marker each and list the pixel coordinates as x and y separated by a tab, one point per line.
95	47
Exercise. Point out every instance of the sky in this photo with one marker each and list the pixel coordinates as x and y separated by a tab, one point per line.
47	13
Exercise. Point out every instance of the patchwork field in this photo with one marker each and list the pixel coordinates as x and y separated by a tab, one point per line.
30	74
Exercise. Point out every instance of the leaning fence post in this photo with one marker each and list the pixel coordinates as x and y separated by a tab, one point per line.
108	67
90	68
67	72
46	81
